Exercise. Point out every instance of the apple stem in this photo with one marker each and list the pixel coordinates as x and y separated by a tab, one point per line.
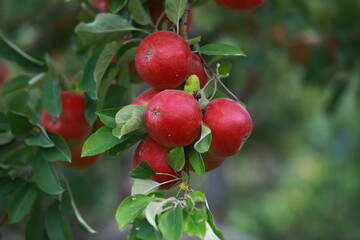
183	23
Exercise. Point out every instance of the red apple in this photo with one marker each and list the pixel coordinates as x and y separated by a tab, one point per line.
102	5
79	162
145	97
156	8
239	4
163	59
156	156
230	125
173	118
197	68
71	124
211	162
4	74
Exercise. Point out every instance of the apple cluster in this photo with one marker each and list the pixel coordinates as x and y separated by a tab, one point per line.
173	118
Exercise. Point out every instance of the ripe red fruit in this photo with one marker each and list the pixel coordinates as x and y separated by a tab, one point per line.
163	59
197	68
211	162
239	4
102	5
230	125
156	8
173	118
4	74
71	124
156	156
145	97
79	162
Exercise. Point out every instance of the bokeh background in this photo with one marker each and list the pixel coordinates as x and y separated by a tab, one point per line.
298	175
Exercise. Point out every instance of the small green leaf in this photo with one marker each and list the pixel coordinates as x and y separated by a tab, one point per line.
4	121
152	211
130	208
50	97
198	196
90	109
176	158
224	68
19	124
12	53
17	83
9	186
99	142
210	235
56	224
144	186
60	152
171	223
142	171
211	222
184	176
195	223
116	5
192	84
126	113
41	140
87	82
21	203
35	226
6	137
203	144
107	116
146	231
126	142
194	40
106	27
129	119
174	9
45	176
197	162
221	49
138	12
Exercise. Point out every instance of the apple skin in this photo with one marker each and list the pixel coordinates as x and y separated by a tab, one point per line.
78	162
145	97
156	156
239	4
4	74
163	59
102	5
71	124
230	125
211	162
156	8
197	68
173	118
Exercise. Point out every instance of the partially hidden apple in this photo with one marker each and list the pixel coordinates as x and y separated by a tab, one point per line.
211	162
72	123
197	68
145	97
173	118
102	5
239	4
78	162
230	125
156	156
163	59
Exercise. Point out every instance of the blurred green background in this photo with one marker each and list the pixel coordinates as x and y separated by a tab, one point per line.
298	175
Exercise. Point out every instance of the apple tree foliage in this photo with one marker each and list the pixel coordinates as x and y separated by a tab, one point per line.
31	185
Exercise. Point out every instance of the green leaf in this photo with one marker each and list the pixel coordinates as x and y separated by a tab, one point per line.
45	176
146	231
221	49
35	226
195	223
211	222
210	235
130	208
138	12
203	144
176	158
60	152
194	40
41	139
129	119
9	186
12	53
56	224
105	28
184	176
99	142
19	124
4	121
171	223
90	109
197	162
152	211
51	97
6	137
192	84
142	171
174	9
87	82
107	116
17	83
116	5
21	203
126	142
144	186
224	68
198	196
